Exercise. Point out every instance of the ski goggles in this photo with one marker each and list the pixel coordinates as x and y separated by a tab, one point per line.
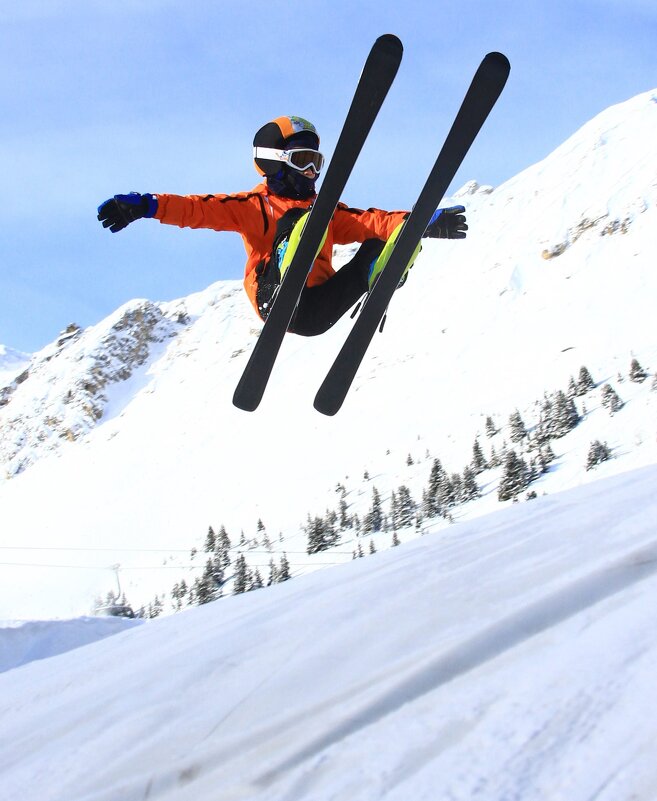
300	159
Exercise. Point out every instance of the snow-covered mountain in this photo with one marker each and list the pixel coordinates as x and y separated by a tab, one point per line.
119	444
12	364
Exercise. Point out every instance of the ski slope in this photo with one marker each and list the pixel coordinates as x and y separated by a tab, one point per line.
511	657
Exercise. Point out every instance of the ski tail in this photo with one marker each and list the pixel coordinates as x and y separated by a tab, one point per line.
376	79
484	91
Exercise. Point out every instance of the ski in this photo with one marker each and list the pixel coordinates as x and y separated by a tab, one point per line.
376	78
485	89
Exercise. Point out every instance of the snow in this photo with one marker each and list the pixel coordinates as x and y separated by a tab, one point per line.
12	364
505	654
26	641
122	446
511	657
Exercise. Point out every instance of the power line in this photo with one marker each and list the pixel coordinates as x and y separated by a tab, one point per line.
153	567
146	550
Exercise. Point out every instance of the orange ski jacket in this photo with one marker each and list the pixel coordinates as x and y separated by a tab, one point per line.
254	215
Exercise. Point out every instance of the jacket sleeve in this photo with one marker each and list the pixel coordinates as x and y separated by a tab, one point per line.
241	212
357	225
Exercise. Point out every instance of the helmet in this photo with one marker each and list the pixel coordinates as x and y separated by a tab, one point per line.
280	134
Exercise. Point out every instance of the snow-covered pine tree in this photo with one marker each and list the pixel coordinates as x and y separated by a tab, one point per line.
584	382
478	460
469	489
447	494
491	430
178	594
273	573
405	508
598	452
284	569
517	430
256	582
610	399
210	540
373	520
344	519
515	477
430	503
242	576
315	532
637	374
566	417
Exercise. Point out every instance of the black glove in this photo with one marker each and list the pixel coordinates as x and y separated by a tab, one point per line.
447	224
121	210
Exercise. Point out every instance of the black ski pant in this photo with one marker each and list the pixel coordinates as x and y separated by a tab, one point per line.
321	306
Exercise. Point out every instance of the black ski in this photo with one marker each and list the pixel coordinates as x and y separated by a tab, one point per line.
486	87
375	81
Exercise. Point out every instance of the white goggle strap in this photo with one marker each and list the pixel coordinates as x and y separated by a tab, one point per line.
270	153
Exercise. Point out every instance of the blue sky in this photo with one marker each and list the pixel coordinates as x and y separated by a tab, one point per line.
165	96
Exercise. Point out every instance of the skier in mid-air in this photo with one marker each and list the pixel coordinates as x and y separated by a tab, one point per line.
286	154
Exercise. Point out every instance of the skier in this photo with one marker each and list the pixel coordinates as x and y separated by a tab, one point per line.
286	153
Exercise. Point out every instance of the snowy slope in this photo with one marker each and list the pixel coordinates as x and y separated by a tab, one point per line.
24	642
122	445
12	364
512	657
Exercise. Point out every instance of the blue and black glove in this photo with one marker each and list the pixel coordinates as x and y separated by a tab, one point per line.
121	210
447	224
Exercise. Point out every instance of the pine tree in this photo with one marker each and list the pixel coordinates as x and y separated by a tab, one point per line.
395	539
490	428
404	509
518	431
430	501
331	533
494	460
315	533
374	519
637	374
566	416
210	541
610	399
273	573
598	452
284	569
242	576
572	388
372	547
515	477
478	461
222	548
584	383
345	522
470	490
447	494
178	594
256	582
409	460
457	487
545	457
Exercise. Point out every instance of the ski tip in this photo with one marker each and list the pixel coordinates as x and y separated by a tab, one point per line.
245	401
391	43
499	60
323	406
